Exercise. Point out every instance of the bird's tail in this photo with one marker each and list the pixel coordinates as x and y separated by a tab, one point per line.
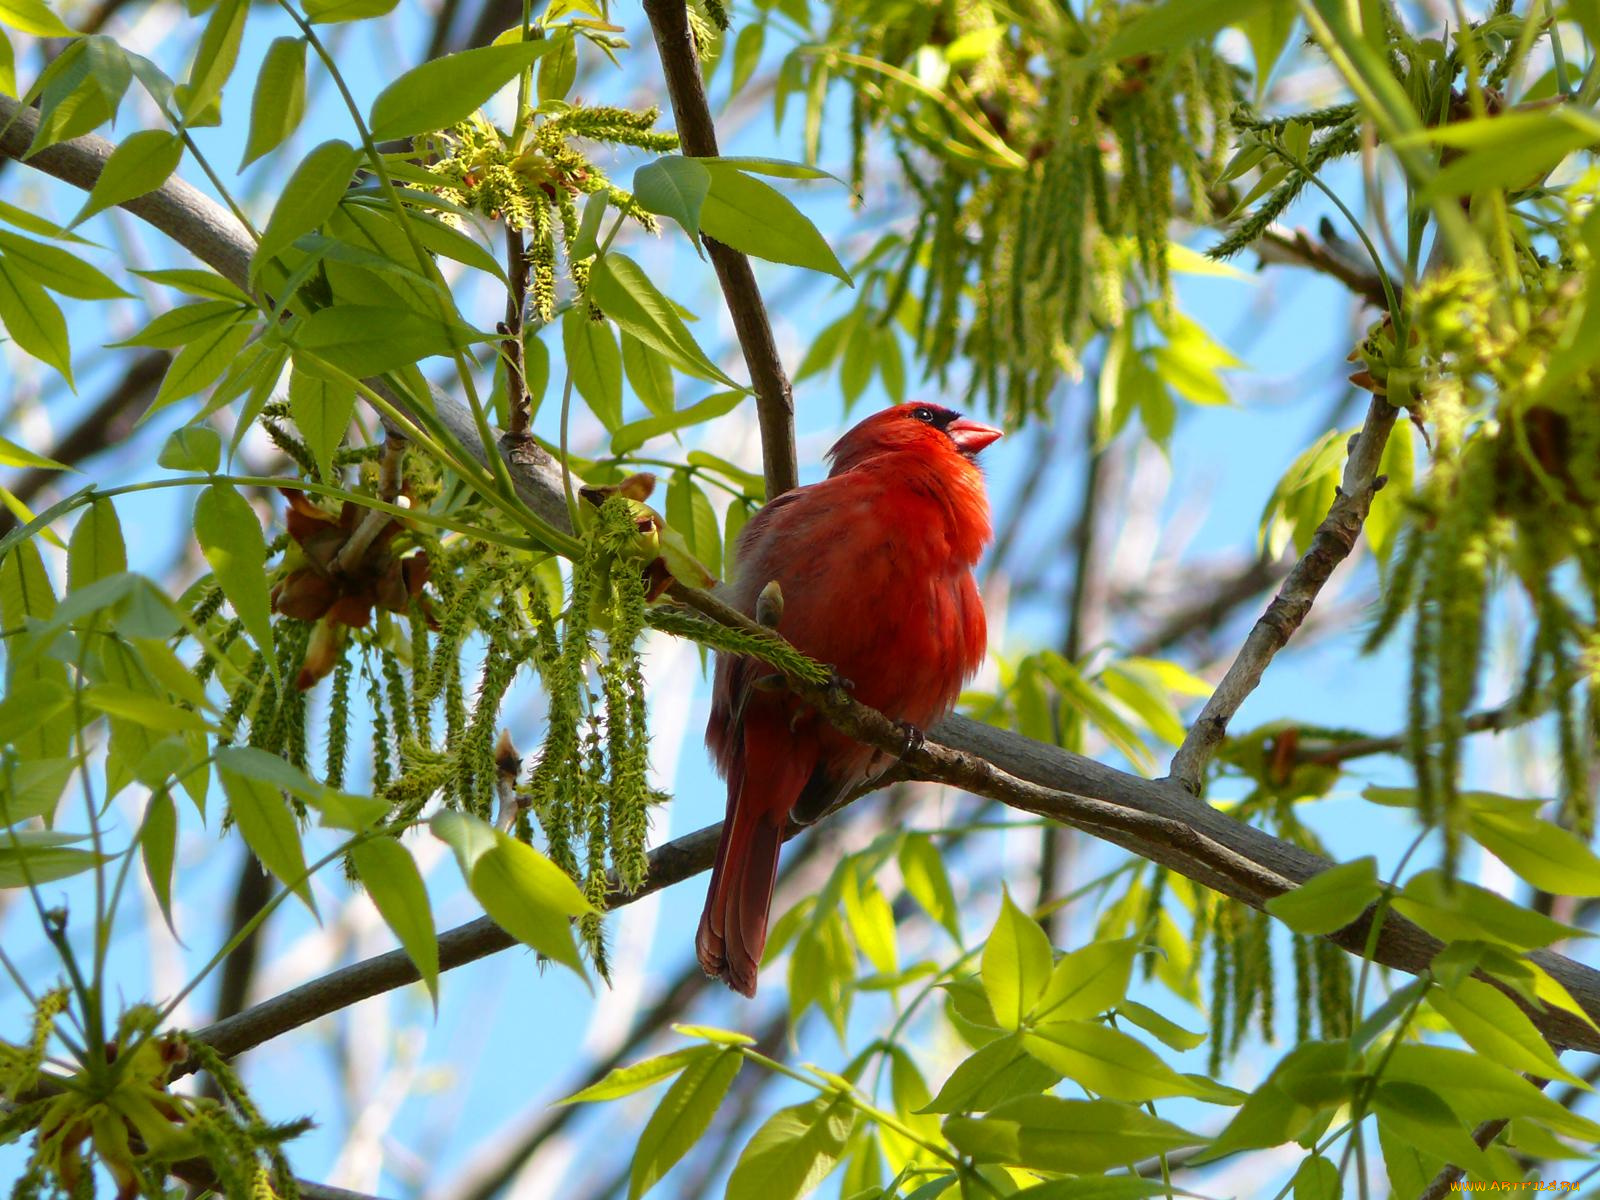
733	928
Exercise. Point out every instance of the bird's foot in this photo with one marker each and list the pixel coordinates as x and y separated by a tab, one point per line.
915	739
838	686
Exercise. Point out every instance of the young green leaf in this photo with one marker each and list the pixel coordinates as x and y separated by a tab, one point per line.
329	12
214	60
308	199
192	448
1547	856
35	17
280	98
33	319
649	375
635	434
525	893
158	843
922	869
1084	1137
689	513
1491	1023
676	187
392	880
59	270
1087	982
1016	964
754	218
38	856
595	363
230	538
445	90
96	550
793	1151
198	365
1107	1061
321	410
625	293
625	1081
1329	900
268	828
143	162
682	1118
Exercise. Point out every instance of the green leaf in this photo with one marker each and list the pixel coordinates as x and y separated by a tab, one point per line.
1016	964
1268	30
445	90
676	187
230	538
214	60
308	199
13	455
158	844
268	828
558	72
96	549
33	319
689	513
635	434
37	855
328	12
1087	982
1152	1022
595	364
1512	151
1491	1023
1317	1179
80	90
754	218
1547	856
525	893
391	878
923	872
793	1151
682	1118
1331	899
321	410
1107	1061
747	54
34	788
8	66
995	1073
1176	23
717	1037
1466	912
58	269
279	101
364	340
625	293
199	364
195	282
625	1081
1479	1089
1080	1136
180	326
192	448
35	17
1421	1117
649	376
143	162
871	921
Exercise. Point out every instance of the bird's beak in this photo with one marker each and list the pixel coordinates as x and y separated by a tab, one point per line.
970	436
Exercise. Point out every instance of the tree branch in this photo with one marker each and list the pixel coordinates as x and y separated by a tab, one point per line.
1296	247
1158	819
680	64
1330	546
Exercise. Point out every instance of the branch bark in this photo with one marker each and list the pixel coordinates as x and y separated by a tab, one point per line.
680	64
1331	545
1158	819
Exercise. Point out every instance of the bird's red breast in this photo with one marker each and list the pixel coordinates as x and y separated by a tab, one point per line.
875	564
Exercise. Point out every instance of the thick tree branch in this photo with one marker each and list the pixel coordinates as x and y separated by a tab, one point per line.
1331	545
680	64
1157	819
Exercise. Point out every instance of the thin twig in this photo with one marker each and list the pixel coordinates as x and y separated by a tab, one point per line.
1331	545
1296	247
517	405
680	64
1491	720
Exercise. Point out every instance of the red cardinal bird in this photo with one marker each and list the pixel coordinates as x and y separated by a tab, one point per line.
875	563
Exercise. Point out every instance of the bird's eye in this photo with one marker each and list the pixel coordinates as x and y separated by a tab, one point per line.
923	413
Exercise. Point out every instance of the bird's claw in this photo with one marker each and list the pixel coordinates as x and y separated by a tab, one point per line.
915	739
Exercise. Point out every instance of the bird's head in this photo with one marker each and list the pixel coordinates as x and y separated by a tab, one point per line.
917	427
